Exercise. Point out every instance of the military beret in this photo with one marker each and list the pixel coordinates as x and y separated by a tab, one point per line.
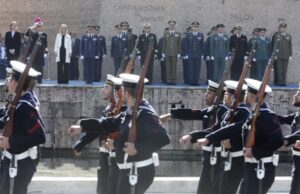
171	22
220	26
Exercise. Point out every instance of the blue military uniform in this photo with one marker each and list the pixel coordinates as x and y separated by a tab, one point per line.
194	47
262	55
101	51
294	121
208	61
74	67
219	50
119	45
151	137
89	50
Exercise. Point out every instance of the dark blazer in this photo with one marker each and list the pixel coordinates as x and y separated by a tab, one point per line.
143	43
76	48
239	44
13	43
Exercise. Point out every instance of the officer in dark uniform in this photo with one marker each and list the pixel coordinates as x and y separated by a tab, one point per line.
151	137
294	121
261	160
119	44
284	55
232	142
105	179
127	32
219	50
162	59
206	56
28	133
211	163
89	54
194	46
142	47
74	68
239	43
102	54
251	41
183	53
262	53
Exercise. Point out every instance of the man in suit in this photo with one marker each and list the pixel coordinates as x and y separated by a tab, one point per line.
171	51
250	43
284	55
12	43
89	54
74	69
119	47
262	53
142	47
238	42
162	59
219	50
206	56
194	46
102	54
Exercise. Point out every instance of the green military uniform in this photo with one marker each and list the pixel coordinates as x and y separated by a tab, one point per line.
171	49
284	43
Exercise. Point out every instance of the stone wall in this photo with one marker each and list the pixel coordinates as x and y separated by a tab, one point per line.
107	13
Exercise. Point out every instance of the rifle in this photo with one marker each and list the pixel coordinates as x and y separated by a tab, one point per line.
132	134
131	62
250	141
124	58
25	53
238	91
219	96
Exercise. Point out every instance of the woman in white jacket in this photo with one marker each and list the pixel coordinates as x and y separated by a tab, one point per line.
63	51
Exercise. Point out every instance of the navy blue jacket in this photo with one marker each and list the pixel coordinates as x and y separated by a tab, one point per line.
194	45
76	48
102	46
89	46
118	46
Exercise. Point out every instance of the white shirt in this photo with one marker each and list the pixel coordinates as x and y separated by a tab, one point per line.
12	33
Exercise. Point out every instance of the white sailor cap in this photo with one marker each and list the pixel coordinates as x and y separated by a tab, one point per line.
254	85
131	80
232	85
18	68
212	86
113	81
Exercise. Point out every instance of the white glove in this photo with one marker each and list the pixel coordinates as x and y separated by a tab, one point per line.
163	55
81	57
178	56
96	57
162	59
290	58
103	56
201	57
226	58
130	55
253	59
139	57
275	57
186	57
155	56
212	58
45	55
208	58
245	58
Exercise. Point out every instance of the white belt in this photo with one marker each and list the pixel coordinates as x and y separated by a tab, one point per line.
104	150
295	153
32	153
209	148
264	160
139	164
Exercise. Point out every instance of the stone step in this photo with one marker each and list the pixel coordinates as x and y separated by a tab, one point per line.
165	185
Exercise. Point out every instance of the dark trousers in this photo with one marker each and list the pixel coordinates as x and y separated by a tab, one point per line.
251	182
236	68
209	69
74	69
145	179
208	184
194	67
219	68
38	65
62	73
232	178
88	69
295	186
280	71
113	177
260	68
163	71
253	70
117	64
26	169
149	74
103	171
185	71
171	69
98	69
